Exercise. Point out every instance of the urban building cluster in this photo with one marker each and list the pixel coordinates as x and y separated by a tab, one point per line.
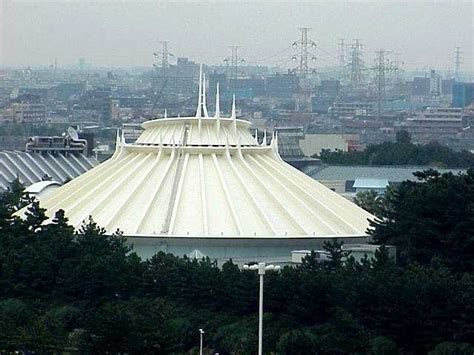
351	103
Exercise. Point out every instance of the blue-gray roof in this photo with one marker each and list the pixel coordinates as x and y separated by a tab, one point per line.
391	173
365	183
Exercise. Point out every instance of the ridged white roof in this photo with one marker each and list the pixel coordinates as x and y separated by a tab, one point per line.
205	177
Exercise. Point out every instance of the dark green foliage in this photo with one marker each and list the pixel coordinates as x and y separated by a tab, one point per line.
297	342
383	346
432	218
401	152
370	201
451	348
83	290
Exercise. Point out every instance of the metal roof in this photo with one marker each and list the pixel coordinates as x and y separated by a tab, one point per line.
33	167
205	177
390	173
370	183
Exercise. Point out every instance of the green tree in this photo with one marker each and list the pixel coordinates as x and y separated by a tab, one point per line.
431	218
370	201
451	348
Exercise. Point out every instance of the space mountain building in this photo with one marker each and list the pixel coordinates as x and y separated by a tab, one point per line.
205	186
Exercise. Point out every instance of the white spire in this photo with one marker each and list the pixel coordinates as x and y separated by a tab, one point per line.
166	113
218	109
199	107
264	141
123	137
233	115
256	136
118	140
204	104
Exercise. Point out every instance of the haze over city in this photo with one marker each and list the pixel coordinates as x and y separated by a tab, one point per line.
125	33
236	177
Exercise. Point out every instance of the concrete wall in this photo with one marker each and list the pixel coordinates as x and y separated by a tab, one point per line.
240	250
313	143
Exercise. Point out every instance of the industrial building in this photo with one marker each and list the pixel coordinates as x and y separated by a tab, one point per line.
204	185
436	121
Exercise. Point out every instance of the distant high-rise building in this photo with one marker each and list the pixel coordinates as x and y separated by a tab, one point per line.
421	86
463	94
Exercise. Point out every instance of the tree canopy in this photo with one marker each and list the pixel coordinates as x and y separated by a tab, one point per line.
401	152
68	290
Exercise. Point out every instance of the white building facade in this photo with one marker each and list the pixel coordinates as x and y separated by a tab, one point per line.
205	185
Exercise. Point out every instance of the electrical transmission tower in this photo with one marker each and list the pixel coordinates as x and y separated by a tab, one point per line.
304	45
397	68
234	61
163	56
457	63
356	64
381	68
342	55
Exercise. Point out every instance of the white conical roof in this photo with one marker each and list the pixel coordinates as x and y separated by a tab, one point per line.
204	177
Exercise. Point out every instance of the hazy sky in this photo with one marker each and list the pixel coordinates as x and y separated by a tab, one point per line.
125	33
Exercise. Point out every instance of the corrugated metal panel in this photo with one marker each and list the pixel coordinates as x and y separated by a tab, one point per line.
32	167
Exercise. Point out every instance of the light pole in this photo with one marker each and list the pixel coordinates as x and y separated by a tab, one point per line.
201	334
261	267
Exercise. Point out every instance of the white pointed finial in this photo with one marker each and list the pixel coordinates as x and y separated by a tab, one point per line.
123	137
233	115
275	147
218	104
166	113
218	111
264	141
199	107
204	101
118	139
256	136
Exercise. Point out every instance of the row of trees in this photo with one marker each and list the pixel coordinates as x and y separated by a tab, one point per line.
401	152
66	290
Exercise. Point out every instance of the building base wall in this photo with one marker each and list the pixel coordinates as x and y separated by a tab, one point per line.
240	250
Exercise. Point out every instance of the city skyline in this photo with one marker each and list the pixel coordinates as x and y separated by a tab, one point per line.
125	34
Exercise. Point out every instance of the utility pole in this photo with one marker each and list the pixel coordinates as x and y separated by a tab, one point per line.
261	269
381	68
356	64
457	64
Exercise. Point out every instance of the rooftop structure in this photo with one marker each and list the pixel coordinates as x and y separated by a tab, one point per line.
205	183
